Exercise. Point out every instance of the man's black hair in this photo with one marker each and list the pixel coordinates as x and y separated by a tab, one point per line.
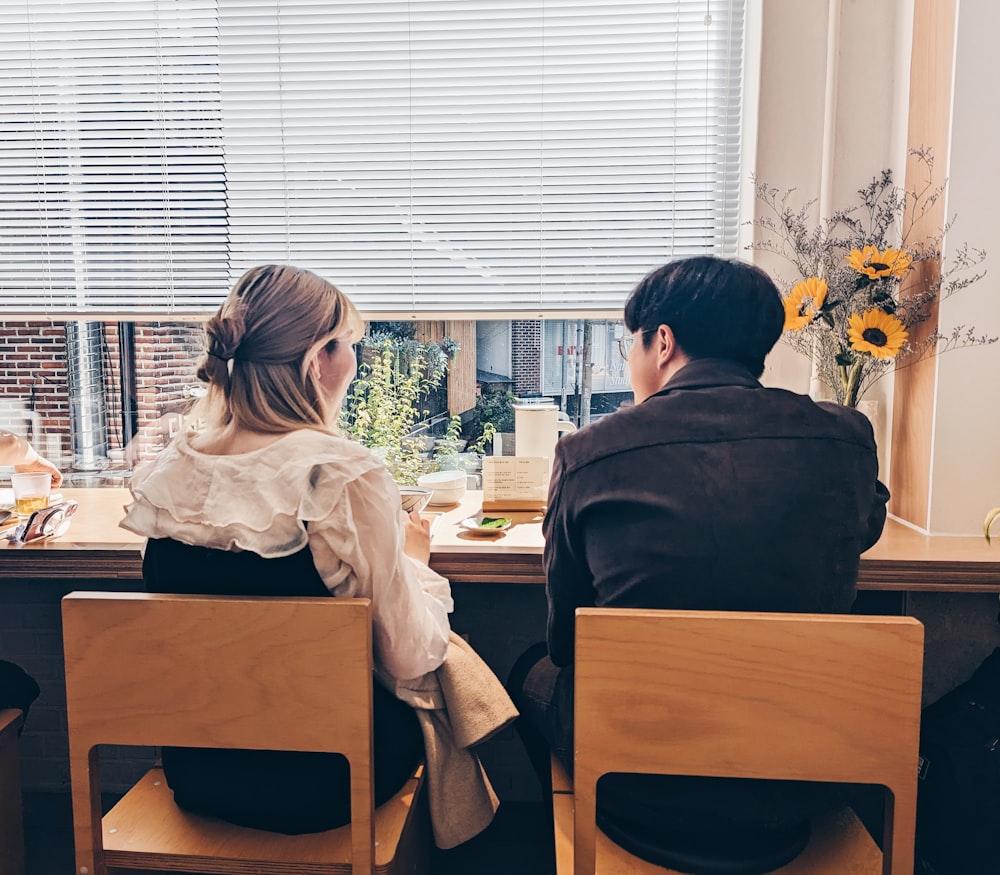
716	307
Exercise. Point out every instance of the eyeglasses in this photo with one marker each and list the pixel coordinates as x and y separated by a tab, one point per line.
627	341
49	522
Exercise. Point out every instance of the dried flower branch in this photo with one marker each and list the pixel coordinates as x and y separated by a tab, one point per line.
843	309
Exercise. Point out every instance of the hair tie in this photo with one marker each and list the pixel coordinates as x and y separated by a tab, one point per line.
229	361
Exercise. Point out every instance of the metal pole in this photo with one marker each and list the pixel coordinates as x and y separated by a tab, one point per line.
587	372
126	369
87	409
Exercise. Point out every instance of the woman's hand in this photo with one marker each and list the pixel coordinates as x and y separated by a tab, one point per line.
40	465
417	532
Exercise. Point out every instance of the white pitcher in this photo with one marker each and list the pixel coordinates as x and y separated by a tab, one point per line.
537	427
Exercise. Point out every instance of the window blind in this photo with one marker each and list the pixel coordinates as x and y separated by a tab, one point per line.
112	177
430	157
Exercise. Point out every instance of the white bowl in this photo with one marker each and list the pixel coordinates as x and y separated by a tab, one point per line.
448	486
414	498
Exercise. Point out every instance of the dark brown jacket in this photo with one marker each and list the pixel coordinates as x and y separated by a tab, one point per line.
713	494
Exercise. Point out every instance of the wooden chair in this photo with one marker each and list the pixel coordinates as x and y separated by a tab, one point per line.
11	819
204	671
748	695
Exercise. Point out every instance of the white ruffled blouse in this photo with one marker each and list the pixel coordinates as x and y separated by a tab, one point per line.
263	500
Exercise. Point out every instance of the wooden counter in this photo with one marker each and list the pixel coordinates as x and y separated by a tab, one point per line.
95	547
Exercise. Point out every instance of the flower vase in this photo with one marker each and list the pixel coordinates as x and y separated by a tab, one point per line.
872	411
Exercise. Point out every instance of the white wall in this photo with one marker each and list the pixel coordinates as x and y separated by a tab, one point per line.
834	84
965	479
493	346
790	127
834	80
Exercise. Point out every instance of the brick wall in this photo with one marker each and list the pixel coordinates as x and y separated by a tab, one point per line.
526	356
33	379
167	355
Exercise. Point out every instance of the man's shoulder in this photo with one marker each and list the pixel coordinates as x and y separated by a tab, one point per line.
626	429
713	415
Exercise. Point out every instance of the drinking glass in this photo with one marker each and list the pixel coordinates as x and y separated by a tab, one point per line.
31	492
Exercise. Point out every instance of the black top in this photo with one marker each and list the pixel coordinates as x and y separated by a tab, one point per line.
281	791
186	569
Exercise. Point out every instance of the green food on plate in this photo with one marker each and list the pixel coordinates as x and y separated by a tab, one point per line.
493	522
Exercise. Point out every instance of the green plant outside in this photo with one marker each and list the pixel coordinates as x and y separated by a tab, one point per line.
385	400
385	404
495	409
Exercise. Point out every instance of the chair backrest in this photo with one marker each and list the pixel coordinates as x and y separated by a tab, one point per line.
230	672
812	697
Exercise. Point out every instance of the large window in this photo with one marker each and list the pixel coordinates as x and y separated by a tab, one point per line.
429	156
101	396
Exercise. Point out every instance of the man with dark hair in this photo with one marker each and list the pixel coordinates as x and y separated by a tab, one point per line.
715	309
710	493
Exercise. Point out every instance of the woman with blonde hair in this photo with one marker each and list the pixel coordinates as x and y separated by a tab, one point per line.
268	499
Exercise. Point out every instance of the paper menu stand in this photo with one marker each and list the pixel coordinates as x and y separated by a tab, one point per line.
515	482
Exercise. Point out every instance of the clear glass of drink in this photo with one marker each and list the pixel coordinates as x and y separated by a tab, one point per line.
31	492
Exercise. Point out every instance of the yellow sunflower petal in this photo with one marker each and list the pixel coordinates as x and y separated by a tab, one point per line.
876	264
858	258
898	261
802	304
877	333
816	289
795	322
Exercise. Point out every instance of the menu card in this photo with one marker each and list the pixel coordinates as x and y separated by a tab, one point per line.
515	482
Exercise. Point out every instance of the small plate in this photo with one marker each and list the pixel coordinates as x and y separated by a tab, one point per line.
475	524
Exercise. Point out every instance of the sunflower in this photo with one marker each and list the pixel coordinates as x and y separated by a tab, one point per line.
876	264
877	333
803	303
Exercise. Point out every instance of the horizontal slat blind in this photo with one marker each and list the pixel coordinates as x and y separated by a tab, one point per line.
112	178
430	156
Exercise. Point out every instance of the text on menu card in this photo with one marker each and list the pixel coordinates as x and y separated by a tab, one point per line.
515	481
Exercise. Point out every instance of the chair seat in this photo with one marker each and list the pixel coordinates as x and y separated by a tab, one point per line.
838	844
720	852
147	831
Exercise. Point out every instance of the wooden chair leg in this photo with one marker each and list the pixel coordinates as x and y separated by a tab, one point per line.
85	791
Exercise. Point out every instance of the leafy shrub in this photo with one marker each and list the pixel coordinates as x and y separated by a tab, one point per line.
387	399
493	408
